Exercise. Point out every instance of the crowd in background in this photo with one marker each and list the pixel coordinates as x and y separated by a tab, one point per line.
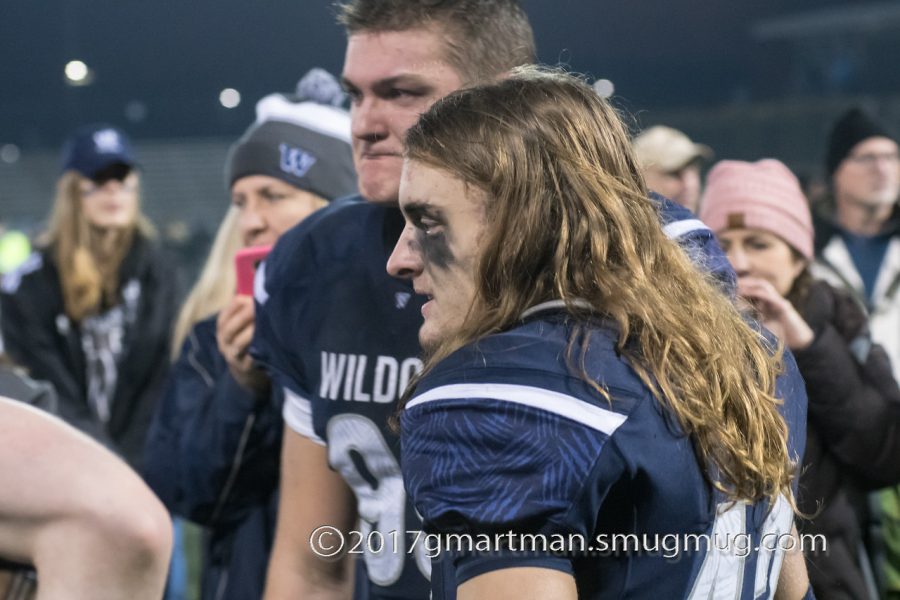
92	330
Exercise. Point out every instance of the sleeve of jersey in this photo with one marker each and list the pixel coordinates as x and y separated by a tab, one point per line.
498	463
281	297
791	389
697	240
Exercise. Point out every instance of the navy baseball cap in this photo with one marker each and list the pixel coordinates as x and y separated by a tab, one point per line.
93	149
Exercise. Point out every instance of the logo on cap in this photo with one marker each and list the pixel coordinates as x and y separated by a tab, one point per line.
107	141
295	161
736	221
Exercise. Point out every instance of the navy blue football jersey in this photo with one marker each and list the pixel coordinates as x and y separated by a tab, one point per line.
698	240
340	336
506	436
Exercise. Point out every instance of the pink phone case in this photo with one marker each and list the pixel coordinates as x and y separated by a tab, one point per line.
245	262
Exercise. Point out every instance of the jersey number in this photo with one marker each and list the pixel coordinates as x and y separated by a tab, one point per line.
722	574
382	507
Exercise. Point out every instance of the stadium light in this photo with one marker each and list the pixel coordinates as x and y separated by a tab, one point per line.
230	98
78	73
10	153
604	88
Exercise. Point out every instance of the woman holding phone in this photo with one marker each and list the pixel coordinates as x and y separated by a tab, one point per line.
213	450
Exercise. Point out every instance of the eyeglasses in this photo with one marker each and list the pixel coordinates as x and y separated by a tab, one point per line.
870	159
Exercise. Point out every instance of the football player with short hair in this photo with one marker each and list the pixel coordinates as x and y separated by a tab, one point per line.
335	331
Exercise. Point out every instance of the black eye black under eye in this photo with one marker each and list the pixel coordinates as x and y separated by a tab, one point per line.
435	247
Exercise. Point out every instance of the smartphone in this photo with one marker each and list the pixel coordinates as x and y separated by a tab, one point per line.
245	263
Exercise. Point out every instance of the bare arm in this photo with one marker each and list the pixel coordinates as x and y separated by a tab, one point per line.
793	581
312	496
522	583
80	515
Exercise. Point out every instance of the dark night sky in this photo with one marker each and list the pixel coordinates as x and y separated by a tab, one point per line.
175	56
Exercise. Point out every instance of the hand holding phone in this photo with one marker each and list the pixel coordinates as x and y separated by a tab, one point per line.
234	333
245	263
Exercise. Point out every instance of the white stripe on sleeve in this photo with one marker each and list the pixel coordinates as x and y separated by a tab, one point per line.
601	419
298	416
676	229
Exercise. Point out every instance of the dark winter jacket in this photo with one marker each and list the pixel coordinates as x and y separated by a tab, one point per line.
38	335
213	456
853	435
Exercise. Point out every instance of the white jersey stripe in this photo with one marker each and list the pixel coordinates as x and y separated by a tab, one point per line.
298	415
676	229
564	405
259	284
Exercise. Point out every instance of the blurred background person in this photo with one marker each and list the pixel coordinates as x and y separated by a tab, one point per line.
671	163
763	221
858	249
213	450
858	240
91	310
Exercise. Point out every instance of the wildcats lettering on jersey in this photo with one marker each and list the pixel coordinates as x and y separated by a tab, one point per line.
355	377
340	336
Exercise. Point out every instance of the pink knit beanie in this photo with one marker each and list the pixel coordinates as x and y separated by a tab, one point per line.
762	195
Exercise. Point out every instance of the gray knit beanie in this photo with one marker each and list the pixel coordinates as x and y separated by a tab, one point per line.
302	139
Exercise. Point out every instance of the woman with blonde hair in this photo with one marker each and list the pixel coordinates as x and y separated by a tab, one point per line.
215	286
212	455
91	311
585	384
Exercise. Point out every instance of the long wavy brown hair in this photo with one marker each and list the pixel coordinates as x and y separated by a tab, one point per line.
568	217
88	259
